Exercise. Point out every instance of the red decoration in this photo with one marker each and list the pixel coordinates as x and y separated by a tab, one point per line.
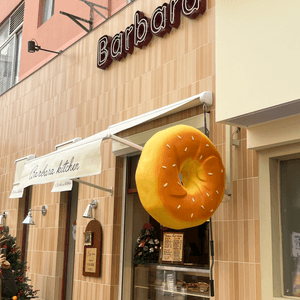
147	226
142	244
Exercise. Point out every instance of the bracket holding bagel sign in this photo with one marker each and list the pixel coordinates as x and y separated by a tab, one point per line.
139	34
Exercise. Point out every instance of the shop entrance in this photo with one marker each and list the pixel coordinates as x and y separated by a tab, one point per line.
23	231
70	241
159	280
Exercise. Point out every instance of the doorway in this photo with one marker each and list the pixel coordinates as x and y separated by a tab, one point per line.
70	241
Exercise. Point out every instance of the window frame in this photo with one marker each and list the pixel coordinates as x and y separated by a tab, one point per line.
13	36
270	220
52	3
6	23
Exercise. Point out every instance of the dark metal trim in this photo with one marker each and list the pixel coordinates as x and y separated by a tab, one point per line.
91	5
75	18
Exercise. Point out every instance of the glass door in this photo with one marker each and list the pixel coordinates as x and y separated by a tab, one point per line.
290	225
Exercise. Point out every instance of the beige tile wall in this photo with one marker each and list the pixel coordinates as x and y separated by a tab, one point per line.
236	225
69	97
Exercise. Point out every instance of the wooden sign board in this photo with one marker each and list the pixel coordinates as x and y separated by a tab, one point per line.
92	249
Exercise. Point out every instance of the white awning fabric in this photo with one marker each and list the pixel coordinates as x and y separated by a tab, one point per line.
62	186
17	191
83	158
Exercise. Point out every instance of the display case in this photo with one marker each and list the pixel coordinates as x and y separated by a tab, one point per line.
167	282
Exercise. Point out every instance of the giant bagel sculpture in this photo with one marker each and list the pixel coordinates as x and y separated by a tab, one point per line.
180	149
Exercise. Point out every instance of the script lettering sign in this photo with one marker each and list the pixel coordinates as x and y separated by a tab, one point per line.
65	164
139	34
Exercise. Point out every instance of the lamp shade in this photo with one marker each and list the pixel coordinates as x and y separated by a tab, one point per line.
88	212
31	46
28	220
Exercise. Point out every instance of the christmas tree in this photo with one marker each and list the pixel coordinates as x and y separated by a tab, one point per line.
147	248
18	267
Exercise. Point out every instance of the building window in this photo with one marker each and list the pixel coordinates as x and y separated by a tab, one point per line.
290	225
18	55
48	10
279	207
10	49
4	32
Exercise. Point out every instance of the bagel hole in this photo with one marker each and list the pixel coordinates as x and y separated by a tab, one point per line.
180	178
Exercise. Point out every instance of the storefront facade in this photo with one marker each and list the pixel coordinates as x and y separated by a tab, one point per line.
70	97
270	95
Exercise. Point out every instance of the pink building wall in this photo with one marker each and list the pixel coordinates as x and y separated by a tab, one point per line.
57	33
6	7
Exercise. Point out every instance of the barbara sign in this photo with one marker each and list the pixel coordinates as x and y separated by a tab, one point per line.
139	34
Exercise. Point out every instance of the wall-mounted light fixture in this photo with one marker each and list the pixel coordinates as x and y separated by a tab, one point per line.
29	221
3	222
3	218
89	209
34	47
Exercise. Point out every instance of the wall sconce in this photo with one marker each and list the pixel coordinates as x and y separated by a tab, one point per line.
3	222
88	211
34	47
29	221
3	218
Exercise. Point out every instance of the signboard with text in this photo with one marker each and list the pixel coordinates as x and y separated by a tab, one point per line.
172	247
139	34
92	249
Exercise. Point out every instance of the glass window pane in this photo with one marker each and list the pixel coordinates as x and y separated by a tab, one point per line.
4	32
145	275
19	44
48	10
6	66
290	225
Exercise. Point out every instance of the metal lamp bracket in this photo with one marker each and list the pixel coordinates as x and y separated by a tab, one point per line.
92	6
228	149
76	19
43	210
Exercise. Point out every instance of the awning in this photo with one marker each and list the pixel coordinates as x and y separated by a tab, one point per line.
62	186
17	191
83	158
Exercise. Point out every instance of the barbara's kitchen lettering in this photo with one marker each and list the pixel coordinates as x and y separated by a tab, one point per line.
139	34
67	166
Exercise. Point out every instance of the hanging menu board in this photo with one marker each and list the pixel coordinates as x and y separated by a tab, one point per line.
91	260
172	247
